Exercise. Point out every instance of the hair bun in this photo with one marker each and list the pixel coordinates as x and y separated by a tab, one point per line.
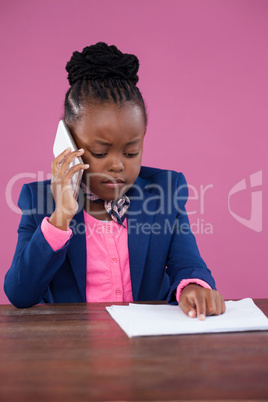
99	62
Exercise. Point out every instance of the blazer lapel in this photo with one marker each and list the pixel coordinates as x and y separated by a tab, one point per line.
139	223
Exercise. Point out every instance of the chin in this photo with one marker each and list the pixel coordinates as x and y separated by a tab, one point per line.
112	195
108	194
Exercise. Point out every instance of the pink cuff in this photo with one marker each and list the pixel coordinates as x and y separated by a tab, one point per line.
186	282
55	237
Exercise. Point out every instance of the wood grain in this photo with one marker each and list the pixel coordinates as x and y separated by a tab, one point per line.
76	352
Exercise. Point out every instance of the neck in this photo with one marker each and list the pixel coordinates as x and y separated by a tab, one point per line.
96	210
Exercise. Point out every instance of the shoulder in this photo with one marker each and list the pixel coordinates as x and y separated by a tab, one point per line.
35	193
168	183
34	188
156	175
36	185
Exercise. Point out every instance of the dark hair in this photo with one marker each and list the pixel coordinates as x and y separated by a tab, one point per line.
101	73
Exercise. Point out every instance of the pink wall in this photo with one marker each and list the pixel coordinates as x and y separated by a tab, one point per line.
203	74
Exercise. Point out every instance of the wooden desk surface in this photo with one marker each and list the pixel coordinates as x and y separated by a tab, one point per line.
76	352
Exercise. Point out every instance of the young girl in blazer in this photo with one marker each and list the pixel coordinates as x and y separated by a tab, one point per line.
127	236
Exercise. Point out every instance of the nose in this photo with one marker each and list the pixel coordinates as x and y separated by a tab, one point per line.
115	164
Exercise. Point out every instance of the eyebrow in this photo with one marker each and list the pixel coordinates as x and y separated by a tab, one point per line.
101	142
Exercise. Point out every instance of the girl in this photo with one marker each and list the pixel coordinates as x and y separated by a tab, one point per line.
127	236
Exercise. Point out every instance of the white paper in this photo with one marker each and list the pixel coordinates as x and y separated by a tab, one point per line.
158	319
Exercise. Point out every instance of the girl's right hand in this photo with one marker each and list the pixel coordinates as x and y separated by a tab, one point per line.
66	205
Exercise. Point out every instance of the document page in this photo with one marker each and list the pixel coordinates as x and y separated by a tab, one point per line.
158	319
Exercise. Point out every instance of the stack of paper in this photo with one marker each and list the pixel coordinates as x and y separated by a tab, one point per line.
148	319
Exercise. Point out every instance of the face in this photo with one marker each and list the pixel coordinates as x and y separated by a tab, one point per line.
112	138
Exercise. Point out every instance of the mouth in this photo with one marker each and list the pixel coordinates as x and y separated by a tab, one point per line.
116	183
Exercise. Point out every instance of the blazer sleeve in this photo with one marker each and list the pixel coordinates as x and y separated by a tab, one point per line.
184	260
28	278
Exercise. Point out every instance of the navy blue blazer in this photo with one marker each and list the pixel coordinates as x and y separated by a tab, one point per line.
162	248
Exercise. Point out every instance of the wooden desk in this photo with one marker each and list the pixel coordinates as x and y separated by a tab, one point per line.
76	352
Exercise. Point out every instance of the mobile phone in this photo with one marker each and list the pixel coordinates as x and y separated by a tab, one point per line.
62	141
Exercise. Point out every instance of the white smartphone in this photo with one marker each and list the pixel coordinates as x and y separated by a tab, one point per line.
62	141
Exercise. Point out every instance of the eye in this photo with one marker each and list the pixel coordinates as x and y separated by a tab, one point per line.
129	155
98	155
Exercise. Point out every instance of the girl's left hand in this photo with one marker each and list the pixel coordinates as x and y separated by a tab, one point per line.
197	301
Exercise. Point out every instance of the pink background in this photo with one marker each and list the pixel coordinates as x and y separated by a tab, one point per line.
203	74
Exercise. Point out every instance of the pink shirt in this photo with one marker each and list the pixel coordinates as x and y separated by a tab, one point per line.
108	272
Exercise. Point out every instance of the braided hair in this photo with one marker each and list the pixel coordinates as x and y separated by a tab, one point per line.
101	73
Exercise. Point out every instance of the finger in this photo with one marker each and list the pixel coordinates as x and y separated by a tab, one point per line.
219	304
223	307
74	169
62	155
59	159
212	303
186	306
64	166
201	307
65	180
69	159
